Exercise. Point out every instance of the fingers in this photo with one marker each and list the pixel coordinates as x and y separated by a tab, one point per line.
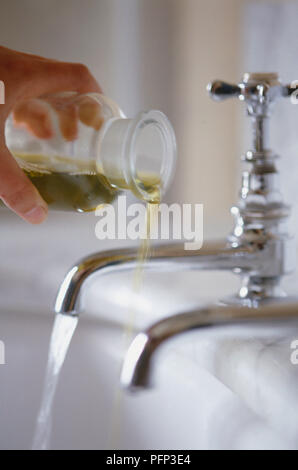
52	77
74	77
90	113
28	77
17	192
67	113
34	116
47	77
68	121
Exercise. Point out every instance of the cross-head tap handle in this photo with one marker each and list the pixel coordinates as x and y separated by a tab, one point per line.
258	90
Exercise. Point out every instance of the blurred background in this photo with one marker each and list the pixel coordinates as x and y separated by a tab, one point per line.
155	54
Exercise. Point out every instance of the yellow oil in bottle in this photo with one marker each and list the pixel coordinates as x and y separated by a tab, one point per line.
76	192
78	189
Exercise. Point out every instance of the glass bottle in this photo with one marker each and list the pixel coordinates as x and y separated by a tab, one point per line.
103	153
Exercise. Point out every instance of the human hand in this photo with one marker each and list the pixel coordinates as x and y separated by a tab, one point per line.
70	108
27	78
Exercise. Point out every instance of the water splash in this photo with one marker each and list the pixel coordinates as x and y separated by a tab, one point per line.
63	330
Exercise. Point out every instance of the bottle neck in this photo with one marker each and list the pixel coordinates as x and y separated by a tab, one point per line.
138	154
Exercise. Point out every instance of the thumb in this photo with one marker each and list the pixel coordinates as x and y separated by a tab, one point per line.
17	191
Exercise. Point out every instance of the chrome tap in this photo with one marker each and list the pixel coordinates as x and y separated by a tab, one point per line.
259	249
137	370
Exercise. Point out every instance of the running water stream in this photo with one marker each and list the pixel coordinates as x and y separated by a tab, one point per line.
63	330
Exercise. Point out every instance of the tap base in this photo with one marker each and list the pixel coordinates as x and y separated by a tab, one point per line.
256	291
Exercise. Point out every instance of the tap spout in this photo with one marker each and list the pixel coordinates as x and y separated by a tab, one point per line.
171	257
138	364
